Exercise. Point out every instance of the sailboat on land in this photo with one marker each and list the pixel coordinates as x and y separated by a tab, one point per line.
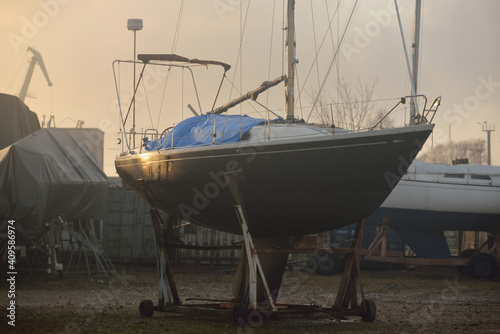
298	178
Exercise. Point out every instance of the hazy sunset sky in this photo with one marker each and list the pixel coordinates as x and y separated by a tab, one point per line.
78	40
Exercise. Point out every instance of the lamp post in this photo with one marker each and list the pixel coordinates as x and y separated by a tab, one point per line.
488	128
134	25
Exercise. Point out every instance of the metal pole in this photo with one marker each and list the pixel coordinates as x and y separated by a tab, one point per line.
488	128
290	47
413	90
489	146
134	25
416	51
133	90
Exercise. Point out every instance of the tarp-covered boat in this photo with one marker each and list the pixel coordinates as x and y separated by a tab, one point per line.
18	120
49	174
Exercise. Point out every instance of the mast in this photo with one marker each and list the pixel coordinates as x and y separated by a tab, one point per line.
415	53
290	48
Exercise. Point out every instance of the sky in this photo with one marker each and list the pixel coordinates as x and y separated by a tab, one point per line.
79	40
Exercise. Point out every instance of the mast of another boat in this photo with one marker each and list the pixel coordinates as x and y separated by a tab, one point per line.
416	50
290	48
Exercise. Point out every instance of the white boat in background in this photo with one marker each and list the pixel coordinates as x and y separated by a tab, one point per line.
433	198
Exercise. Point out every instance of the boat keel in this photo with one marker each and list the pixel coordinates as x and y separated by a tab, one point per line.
260	271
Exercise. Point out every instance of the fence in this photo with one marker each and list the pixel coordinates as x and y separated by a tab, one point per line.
128	234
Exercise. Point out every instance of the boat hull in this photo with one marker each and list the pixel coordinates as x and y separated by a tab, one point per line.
438	206
290	187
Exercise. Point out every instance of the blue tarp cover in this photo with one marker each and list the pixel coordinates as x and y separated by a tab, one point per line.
198	131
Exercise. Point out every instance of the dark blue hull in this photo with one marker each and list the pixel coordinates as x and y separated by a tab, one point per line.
426	220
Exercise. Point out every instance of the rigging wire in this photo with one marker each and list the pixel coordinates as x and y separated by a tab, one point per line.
358	102
405	92
269	74
269	110
326	104
136	86
147	102
334	57
319	50
213	106
243	24
178	27
174	47
270	51
233	86
239	52
314	38
118	93
337	63
182	94
300	95
163	96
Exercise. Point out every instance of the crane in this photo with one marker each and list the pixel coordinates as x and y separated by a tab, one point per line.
37	58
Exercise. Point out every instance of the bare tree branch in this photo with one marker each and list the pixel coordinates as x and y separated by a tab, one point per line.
355	109
472	149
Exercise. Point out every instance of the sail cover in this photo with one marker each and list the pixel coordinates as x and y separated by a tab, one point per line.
198	131
49	174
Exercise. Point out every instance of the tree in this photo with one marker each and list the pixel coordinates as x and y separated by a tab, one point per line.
355	109
472	149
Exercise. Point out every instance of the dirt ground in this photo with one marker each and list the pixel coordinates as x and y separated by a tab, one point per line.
420	300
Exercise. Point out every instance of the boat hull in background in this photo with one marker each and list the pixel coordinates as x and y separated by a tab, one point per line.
434	206
434	198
